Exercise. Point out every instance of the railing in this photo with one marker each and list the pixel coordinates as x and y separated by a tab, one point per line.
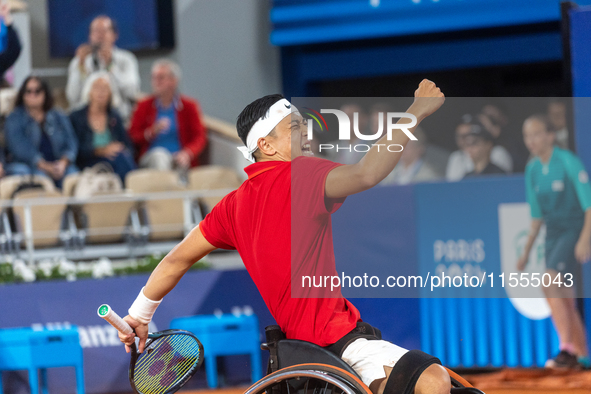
221	127
73	235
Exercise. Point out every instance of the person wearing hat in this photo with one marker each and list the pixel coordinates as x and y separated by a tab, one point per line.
479	145
459	163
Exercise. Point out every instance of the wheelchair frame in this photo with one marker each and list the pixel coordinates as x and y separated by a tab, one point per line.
285	377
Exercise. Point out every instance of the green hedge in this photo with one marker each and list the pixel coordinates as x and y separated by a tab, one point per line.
142	266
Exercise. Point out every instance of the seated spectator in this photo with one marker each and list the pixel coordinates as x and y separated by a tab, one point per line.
12	48
412	167
101	54
99	128
460	163
557	120
166	128
479	145
39	139
506	135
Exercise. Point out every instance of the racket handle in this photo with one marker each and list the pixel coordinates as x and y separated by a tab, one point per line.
114	319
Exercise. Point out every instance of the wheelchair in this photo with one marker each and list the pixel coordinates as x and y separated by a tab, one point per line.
300	367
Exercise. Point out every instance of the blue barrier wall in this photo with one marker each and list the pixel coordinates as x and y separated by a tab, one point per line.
53	304
395	230
371	230
458	225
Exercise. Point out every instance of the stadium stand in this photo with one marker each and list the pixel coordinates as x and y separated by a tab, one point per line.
212	178
165	217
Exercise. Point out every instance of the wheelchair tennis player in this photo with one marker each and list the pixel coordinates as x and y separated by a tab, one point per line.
256	220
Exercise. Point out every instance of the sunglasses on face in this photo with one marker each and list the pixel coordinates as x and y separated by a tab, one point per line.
34	91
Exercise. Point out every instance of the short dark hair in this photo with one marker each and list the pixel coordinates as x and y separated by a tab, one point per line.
20	97
253	112
114	26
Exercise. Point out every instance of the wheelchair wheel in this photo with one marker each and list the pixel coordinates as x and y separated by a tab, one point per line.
460	385
309	379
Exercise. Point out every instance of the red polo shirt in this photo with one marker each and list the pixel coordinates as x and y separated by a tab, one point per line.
256	220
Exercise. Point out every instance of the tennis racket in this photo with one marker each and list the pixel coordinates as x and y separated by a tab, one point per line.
169	360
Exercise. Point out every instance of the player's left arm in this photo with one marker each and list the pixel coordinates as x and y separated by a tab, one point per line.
580	178
378	163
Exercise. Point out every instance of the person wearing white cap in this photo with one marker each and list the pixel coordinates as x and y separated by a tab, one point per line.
287	201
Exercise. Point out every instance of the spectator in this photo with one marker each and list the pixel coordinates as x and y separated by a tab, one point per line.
12	48
412	167
166	127
557	120
460	164
39	139
101	54
479	145
99	128
494	119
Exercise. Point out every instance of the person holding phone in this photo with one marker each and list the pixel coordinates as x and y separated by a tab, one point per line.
101	54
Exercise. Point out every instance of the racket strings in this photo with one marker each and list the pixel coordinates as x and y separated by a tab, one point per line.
166	363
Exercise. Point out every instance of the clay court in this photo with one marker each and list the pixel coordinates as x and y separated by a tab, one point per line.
508	381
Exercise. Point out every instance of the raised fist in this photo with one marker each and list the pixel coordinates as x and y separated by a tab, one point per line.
428	98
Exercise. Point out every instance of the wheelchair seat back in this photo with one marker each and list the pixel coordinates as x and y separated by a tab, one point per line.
288	352
293	352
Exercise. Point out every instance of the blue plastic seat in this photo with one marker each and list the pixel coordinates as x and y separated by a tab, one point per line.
24	348
223	336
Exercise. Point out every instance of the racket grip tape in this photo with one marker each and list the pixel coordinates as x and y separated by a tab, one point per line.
107	313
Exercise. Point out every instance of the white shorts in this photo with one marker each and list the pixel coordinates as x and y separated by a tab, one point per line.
368	358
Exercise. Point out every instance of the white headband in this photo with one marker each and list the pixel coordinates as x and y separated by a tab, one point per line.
265	125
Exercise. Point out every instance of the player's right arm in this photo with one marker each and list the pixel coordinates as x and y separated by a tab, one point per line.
165	277
176	263
378	163
536	225
536	218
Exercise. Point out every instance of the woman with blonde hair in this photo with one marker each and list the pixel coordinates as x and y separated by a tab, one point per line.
99	128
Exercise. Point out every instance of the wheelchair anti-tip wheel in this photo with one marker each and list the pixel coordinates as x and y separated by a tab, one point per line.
309	379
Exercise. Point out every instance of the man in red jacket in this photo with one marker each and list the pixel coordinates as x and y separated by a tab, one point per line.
166	127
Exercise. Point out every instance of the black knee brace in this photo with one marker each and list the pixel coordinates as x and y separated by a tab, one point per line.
407	370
